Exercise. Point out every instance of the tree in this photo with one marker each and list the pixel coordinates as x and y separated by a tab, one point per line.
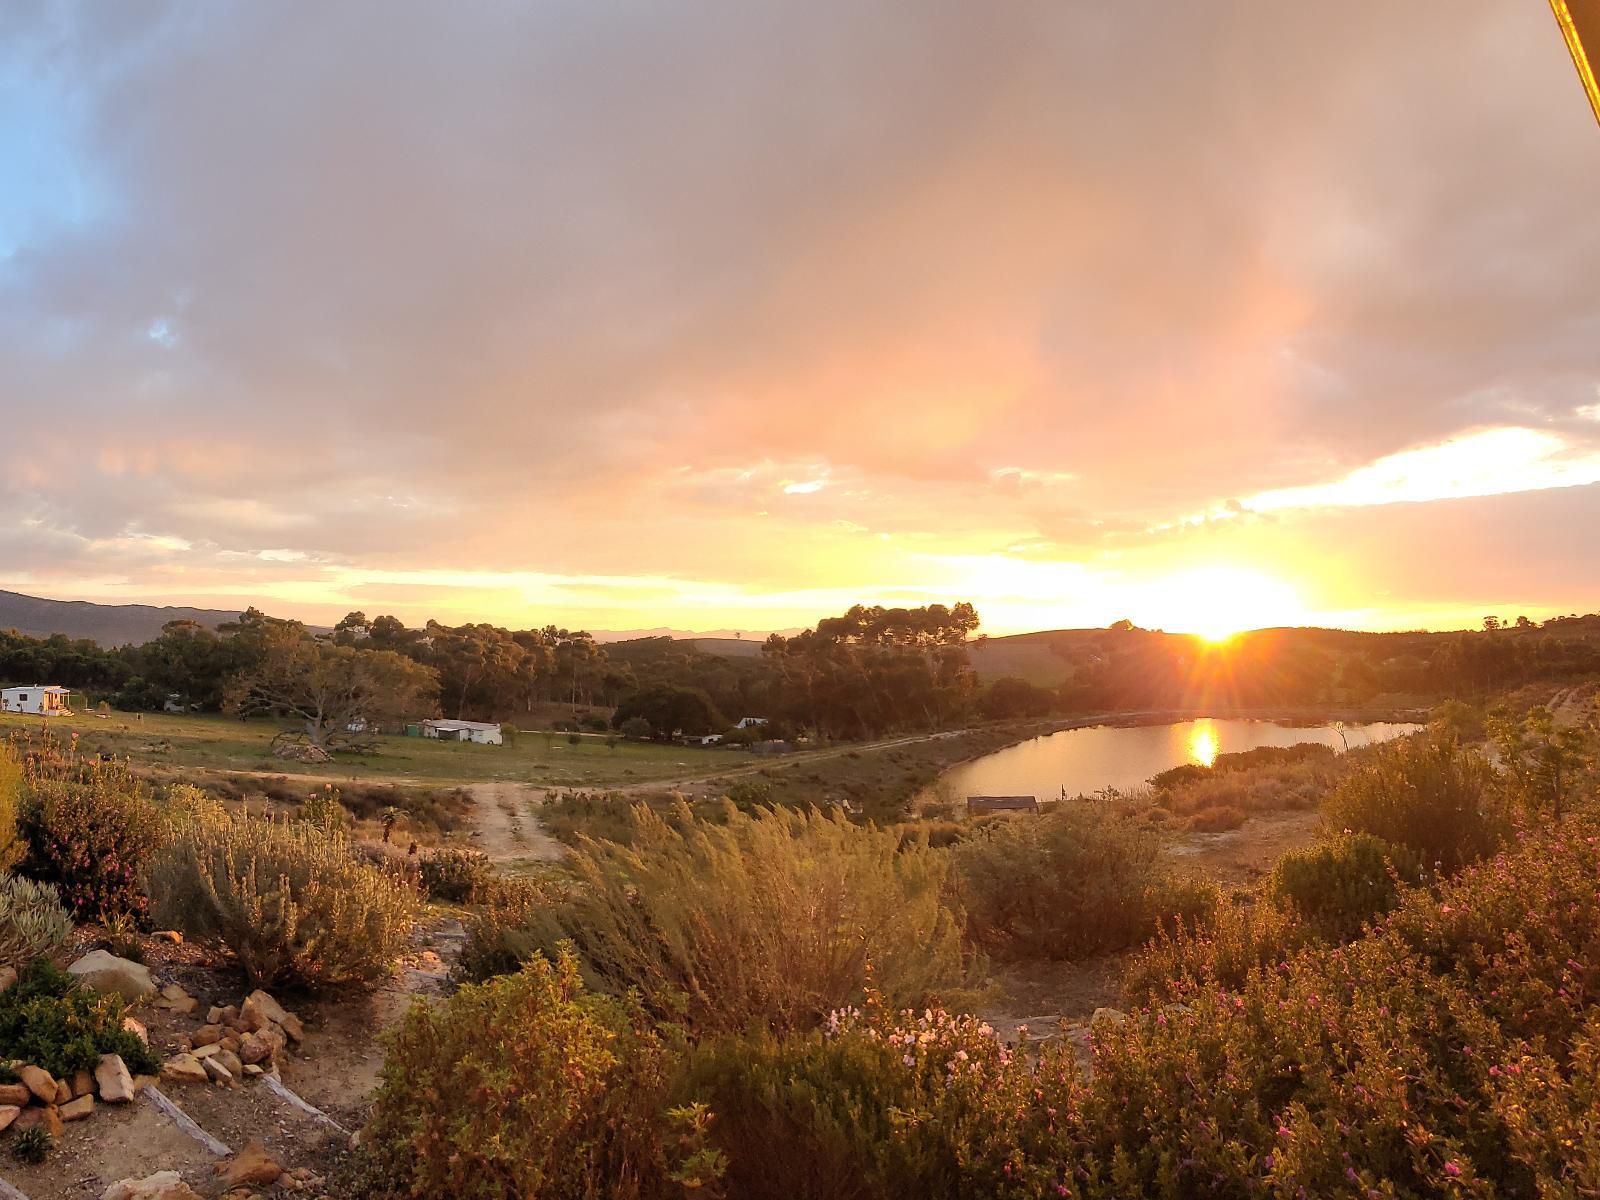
329	686
672	712
1542	760
635	729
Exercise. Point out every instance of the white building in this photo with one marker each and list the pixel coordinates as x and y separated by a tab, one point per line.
46	701
485	733
750	722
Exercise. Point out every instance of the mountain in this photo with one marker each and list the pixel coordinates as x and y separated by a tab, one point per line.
108	624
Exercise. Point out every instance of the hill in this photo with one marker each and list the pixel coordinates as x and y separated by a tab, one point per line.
107	624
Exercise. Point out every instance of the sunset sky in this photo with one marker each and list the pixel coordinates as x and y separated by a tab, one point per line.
729	315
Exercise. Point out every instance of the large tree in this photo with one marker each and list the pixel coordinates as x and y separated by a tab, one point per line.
329	687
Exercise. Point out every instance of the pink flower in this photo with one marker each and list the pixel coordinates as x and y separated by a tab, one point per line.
1451	1169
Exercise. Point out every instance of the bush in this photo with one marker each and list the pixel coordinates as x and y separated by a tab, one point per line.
290	899
525	1086
500	938
46	1020
457	876
33	1145
1218	818
1340	885
1425	794
635	729
1068	884
33	922
90	837
770	920
323	809
12	844
1220	949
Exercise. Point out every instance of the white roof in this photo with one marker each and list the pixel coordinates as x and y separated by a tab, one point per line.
463	724
36	687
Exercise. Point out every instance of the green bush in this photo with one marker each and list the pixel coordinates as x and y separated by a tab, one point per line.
770	920
1221	948
90	837
12	790
33	922
1425	794
1078	881
289	898
457	876
46	1020
525	1086
500	938
1337	886
323	809
33	1145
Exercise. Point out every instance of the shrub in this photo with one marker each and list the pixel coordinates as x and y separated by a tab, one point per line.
1219	949
1218	818
322	808
33	1145
500	938
290	899
12	844
33	922
635	729
90	837
1339	885
1067	884
769	920
45	1019
524	1086
1425	794
183	805
458	876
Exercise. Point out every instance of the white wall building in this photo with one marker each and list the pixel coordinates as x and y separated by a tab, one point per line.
46	701
485	733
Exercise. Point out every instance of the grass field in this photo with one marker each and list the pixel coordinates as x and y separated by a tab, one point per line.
216	743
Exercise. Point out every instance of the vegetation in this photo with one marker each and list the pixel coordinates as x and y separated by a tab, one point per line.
774	919
456	875
47	1020
1080	880
32	1145
1424	794
524	1086
1338	886
289	899
33	922
12	785
89	828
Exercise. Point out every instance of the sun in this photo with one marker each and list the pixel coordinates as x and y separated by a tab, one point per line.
1217	603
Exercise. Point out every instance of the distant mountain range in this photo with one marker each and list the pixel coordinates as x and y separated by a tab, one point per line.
107	624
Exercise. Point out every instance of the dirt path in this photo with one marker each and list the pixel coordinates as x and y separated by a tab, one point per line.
506	826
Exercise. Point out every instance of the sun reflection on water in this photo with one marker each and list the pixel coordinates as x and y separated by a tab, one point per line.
1203	743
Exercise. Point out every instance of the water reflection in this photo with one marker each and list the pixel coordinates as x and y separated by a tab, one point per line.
1203	742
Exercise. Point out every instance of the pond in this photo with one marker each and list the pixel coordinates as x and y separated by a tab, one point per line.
1083	761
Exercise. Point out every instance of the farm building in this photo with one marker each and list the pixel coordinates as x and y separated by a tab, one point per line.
750	722
990	804
485	733
46	701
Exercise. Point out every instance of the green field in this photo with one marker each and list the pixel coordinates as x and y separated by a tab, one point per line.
216	743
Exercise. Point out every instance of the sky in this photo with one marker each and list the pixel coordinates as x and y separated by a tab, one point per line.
730	315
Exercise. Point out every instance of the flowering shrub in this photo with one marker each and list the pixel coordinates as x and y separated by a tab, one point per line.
1222	949
525	1086
1070	883
90	835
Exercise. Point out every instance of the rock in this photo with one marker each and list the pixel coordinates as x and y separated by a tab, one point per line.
16	1094
216	1070
163	1185
1107	1016
230	1043
137	1029
113	1079
262	1046
259	1008
206	1051
251	1165
252	1069
8	976
208	1035
8	1114
77	1110
49	1116
183	1068
214	1015
230	1061
82	1084
105	972
63	1091
40	1082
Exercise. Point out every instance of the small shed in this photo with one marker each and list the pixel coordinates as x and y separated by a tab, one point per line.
485	733
750	722
992	804
45	700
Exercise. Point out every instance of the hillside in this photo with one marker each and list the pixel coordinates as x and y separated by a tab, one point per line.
107	624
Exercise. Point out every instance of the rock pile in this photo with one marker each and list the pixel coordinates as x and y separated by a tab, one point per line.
39	1098
237	1042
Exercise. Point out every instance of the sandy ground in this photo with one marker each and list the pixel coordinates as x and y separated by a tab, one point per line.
506	825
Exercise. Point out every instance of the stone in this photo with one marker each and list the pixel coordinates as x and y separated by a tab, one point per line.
8	1114
214	1015
16	1094
206	1051
252	1165
184	1068
40	1082
49	1116
63	1091
105	972
230	1061
1107	1016
216	1070
259	1008
253	1069
230	1043
168	935
77	1110
262	1046
208	1035
82	1084
137	1029
113	1079
8	976
163	1185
